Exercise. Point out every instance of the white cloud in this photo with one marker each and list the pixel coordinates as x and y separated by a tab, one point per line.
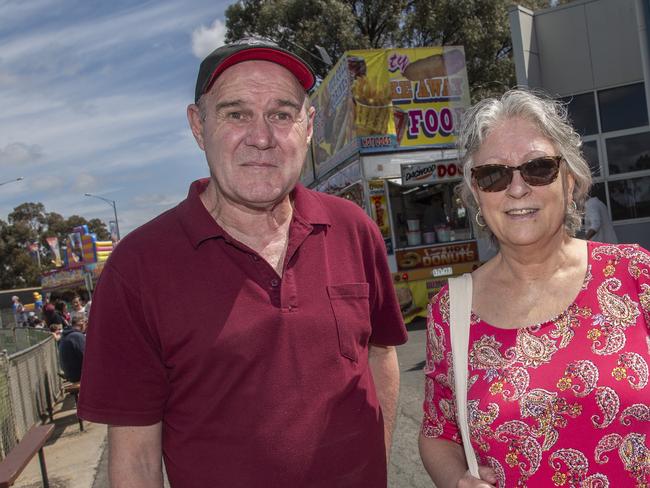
49	183
85	182
207	39
20	153
158	199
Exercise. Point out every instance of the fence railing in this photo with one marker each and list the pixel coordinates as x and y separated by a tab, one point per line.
29	382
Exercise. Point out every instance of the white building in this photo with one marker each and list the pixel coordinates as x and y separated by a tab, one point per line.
595	55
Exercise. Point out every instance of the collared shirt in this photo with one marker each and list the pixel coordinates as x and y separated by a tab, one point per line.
259	380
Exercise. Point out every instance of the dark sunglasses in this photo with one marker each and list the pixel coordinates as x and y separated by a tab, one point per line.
536	172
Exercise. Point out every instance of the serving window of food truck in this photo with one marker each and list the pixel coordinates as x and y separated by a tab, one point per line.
384	137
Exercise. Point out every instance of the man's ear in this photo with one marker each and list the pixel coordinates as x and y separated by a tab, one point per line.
196	124
310	123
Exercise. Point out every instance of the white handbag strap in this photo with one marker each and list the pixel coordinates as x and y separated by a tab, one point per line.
460	305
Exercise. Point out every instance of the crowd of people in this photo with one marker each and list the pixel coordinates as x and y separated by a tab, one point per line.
66	324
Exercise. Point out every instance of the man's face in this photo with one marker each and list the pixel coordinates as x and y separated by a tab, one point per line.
255	133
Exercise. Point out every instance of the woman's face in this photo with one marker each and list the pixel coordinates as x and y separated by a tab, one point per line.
522	215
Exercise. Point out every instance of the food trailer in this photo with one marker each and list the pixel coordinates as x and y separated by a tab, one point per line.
384	137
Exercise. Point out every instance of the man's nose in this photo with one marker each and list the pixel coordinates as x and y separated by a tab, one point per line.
260	133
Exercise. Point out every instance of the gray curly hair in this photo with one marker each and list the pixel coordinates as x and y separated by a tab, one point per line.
550	117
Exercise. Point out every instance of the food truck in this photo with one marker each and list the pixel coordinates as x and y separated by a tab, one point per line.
384	137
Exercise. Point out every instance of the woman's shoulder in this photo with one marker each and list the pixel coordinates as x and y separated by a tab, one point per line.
622	261
618	253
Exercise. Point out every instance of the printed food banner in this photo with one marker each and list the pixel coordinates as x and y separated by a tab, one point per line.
379	207
409	97
334	139
387	99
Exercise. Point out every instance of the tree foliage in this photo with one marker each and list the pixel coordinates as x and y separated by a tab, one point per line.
29	224
481	26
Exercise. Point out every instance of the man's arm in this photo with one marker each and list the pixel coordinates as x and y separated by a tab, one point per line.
135	456
385	374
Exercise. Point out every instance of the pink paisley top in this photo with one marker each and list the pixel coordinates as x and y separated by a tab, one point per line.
562	403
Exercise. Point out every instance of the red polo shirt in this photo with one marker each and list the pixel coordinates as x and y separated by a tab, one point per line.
258	380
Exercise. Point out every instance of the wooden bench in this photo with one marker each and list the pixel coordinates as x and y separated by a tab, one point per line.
20	456
73	389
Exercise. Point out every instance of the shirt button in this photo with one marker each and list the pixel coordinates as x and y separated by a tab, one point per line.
275	282
255	258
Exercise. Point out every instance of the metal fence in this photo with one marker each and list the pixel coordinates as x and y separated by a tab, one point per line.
7	318
29	382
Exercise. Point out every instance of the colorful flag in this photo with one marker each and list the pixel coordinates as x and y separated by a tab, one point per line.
53	242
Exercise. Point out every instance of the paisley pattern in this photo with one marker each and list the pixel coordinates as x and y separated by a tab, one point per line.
562	403
639	411
609	405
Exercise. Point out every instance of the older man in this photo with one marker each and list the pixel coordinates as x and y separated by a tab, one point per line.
276	374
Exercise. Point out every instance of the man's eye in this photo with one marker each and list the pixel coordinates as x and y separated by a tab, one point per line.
235	115
282	117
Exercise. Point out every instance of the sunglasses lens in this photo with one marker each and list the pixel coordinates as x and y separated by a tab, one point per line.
536	172
540	171
492	177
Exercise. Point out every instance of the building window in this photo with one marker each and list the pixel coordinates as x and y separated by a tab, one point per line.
598	190
630	198
622	108
590	153
582	113
628	153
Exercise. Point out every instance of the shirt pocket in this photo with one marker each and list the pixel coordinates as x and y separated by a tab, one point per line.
351	309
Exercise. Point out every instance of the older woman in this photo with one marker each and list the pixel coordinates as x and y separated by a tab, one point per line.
559	340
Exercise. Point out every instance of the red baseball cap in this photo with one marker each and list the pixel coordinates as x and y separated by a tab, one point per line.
250	49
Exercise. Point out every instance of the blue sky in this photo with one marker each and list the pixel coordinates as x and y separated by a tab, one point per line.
92	99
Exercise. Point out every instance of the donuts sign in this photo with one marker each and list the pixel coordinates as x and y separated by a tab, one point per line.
417	174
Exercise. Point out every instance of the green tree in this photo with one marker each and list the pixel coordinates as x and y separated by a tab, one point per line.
336	25
98	227
29	223
481	26
32	214
17	268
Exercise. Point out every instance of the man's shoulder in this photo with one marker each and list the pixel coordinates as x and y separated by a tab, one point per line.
163	229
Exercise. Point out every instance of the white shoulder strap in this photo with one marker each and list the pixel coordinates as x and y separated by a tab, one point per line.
460	305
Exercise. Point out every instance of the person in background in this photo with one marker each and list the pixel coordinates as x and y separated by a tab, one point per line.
51	316
20	316
558	390
78	306
598	224
56	331
283	373
62	309
71	348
